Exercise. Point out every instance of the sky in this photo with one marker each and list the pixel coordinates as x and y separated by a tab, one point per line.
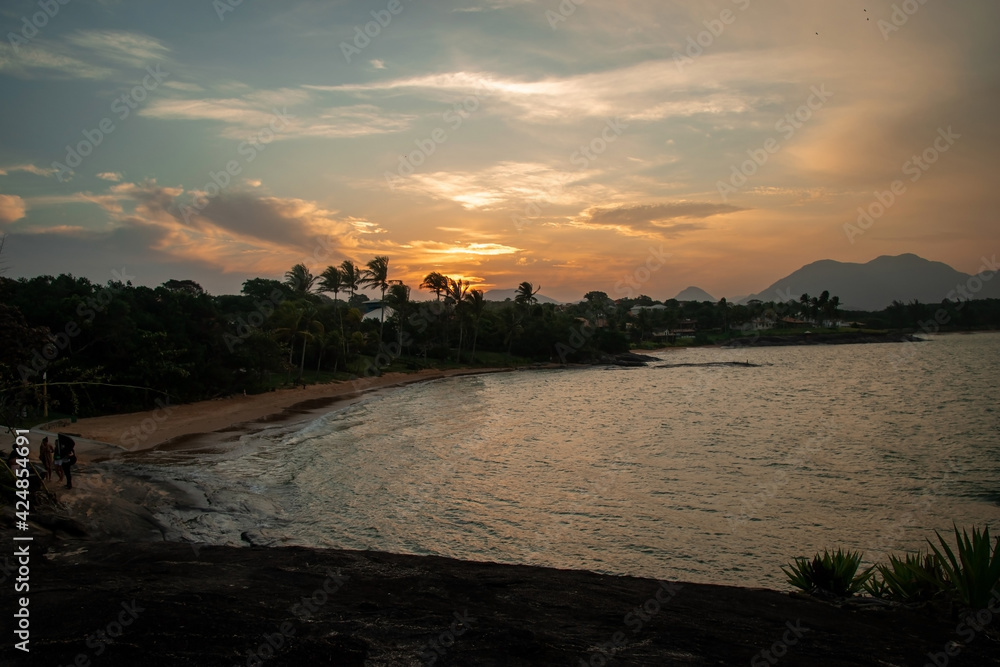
632	147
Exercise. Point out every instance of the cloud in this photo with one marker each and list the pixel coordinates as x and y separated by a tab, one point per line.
476	249
506	186
654	220
12	209
30	168
254	112
114	176
85	54
491	5
235	232
648	91
121	47
644	215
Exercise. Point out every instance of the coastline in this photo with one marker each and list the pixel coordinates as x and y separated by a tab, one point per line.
180	426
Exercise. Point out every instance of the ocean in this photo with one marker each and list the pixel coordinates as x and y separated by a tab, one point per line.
716	474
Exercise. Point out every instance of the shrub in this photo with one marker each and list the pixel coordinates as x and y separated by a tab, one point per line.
835	574
975	572
913	578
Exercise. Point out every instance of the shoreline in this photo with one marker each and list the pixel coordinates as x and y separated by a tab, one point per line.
173	427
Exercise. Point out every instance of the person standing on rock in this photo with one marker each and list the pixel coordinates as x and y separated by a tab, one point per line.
66	456
45	453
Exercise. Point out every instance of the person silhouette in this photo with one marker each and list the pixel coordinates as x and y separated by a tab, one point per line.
66	454
45	453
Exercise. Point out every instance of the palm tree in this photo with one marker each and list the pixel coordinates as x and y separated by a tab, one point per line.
332	280
476	305
832	307
526	294
322	339
435	282
510	319
457	291
724	309
438	283
298	317
820	305
301	280
377	275
399	301
350	276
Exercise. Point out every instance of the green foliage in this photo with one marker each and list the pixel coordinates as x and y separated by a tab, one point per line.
975	572
913	578
971	576
835	574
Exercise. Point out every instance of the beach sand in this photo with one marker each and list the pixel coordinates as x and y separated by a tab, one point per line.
177	424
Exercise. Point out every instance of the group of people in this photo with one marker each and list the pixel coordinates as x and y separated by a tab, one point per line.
61	458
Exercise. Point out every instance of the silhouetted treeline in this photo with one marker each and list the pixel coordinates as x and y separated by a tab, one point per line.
119	347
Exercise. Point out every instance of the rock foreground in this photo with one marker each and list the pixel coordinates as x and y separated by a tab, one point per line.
161	603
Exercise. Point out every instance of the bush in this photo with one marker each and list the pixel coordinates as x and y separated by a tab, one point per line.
834	574
975	572
913	578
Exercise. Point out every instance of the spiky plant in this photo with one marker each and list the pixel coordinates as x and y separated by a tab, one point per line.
913	578
835	574
975	572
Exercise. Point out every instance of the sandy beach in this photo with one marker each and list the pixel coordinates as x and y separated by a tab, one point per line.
174	426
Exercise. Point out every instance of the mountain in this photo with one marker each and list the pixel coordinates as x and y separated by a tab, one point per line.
875	285
695	294
504	294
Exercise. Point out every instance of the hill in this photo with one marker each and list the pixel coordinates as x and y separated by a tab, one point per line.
695	294
875	285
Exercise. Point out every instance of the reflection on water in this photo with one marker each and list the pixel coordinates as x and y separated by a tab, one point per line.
717	474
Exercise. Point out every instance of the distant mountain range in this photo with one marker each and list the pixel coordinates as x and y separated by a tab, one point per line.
875	285
695	294
504	294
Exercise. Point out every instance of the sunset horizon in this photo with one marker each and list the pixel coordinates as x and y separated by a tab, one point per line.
497	141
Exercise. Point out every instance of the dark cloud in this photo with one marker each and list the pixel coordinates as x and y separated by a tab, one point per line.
272	220
653	216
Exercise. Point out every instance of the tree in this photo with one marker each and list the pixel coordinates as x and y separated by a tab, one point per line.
265	289
350	276
435	282
820	305
300	280
332	280
399	301
832	308
724	310
188	286
526	294
804	304
599	302
476	304
377	275
457	291
438	283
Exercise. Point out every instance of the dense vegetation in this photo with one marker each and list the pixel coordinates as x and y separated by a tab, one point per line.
84	349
